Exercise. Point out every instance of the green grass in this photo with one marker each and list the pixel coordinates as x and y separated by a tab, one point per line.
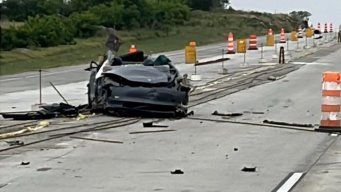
204	28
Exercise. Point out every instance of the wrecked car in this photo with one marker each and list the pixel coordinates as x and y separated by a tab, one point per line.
135	84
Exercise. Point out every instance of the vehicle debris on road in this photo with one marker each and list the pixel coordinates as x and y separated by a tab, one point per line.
154	131
25	163
16	142
177	172
288	124
227	114
46	112
151	124
100	140
249	169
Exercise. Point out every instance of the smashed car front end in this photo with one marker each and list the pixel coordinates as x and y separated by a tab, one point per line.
139	90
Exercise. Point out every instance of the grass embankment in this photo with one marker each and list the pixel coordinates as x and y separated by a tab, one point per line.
204	28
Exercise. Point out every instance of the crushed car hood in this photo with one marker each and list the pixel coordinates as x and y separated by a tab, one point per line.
139	73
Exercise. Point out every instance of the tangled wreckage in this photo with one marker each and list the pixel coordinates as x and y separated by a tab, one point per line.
127	85
135	84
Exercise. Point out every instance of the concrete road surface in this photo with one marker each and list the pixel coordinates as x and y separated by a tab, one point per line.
18	92
210	154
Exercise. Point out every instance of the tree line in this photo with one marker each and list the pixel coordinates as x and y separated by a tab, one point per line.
58	22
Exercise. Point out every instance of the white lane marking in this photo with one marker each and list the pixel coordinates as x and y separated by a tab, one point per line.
290	182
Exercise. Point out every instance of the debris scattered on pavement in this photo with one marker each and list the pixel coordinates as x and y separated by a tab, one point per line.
212	61
46	112
151	124
288	124
81	117
255	112
25	163
44	169
40	125
190	113
100	140
249	169
16	142
227	114
273	78
334	134
235	149
155	131
177	171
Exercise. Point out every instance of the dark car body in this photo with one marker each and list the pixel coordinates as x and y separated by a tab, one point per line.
137	85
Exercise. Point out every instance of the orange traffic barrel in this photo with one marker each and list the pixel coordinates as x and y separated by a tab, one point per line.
331	102
270	38
331	28
282	37
253	42
230	44
132	49
319	26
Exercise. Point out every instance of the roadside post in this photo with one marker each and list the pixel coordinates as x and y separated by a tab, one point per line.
262	59
281	56
224	70
275	56
40	94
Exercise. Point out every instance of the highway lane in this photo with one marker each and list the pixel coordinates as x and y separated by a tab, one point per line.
74	74
211	154
19	92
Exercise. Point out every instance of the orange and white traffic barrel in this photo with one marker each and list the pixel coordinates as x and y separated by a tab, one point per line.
253	42
331	102
132	49
230	44
282	37
326	28
331	28
319	26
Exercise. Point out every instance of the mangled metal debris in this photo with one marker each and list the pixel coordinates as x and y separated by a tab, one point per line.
249	169
137	85
227	114
177	172
151	124
46	112
15	143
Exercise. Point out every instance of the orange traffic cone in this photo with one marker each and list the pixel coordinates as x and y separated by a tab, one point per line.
326	28
253	42
132	49
230	44
282	38
331	28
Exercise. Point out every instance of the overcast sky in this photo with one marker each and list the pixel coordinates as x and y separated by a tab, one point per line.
322	10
